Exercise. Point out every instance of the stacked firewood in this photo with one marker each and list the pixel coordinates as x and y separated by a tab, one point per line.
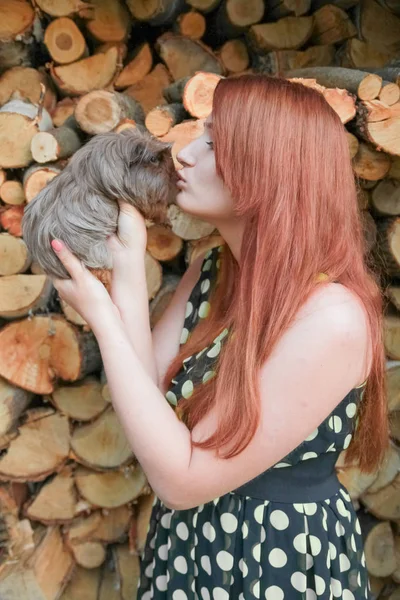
71	490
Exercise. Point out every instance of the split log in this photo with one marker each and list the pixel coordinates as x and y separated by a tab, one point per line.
128	569
25	83
234	56
37	177
331	25
57	143
183	134
385	198
153	275
149	90
36	351
388	470
370	164
3	176
13	401
14	54
378	546
31	574
19	122
373	111
11	219
144	509
393	374
354	144
184	57
84	584
162	243
196	248
61	8
364	85
81	401
64	41
369	229
340	3
14	255
388	73
289	33
358	54
63	110
93	73
392	325
101	111
12	192
110	490
384	503
186	226
101	444
109	584
16	19
355	481
163	297
191	24
125	124
105	526
390	93
204	6
155	13
232	18
88	555
56	501
395	168
198	94
284	8
379	27
21	295
108	21
162	118
394	422
384	135
41	448
277	63
138	66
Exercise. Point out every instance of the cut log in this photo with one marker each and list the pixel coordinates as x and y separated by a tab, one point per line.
184	57
395	168
149	90
138	66
331	26
101	111
388	470
358	54
388	73
353	144
52	145
37	177
350	476
162	243
390	93
144	508
196	248
14	54
63	110
107	526
155	13
392	334
173	93
370	164
277	63
369	227
204	6
16	19
364	85
110	490
88	555
289	33
12	192
153	275
128	569
56	501
41	448
109	586
13	401
86	75
108	21
379	27
21	295
35	574
3	177
198	94
186	226
372	111
234	56
393	375
61	8
19	122
36	351
64	41
183	134
84	584
125	124
385	503
102	444
11	218
164	296
25	83
396	573
81	401
14	255
385	198
385	135
191	24
232	19
378	546
162	118
284	8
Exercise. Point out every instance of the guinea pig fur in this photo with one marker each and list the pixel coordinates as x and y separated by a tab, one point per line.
80	205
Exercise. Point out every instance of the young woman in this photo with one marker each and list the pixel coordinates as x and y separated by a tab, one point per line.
268	356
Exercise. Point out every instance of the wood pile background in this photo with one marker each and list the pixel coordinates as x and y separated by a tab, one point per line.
74	503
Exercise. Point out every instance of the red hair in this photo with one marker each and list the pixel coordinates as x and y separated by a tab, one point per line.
282	152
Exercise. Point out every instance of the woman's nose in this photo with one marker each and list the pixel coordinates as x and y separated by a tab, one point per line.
185	157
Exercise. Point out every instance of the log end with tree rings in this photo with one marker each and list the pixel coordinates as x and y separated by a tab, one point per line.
198	94
65	41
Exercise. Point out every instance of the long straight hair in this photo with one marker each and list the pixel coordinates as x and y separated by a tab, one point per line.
283	154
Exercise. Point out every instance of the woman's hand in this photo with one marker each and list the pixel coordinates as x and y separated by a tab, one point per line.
131	236
83	291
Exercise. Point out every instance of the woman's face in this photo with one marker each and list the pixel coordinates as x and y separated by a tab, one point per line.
202	193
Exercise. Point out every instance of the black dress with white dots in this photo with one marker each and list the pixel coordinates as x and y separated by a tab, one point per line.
289	534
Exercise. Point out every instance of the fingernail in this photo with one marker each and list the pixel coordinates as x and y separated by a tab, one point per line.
56	245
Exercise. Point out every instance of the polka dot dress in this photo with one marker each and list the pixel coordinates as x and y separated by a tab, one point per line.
243	546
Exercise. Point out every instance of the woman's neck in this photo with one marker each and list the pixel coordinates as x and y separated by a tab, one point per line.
232	233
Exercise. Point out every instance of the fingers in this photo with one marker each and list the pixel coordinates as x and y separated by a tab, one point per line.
70	262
